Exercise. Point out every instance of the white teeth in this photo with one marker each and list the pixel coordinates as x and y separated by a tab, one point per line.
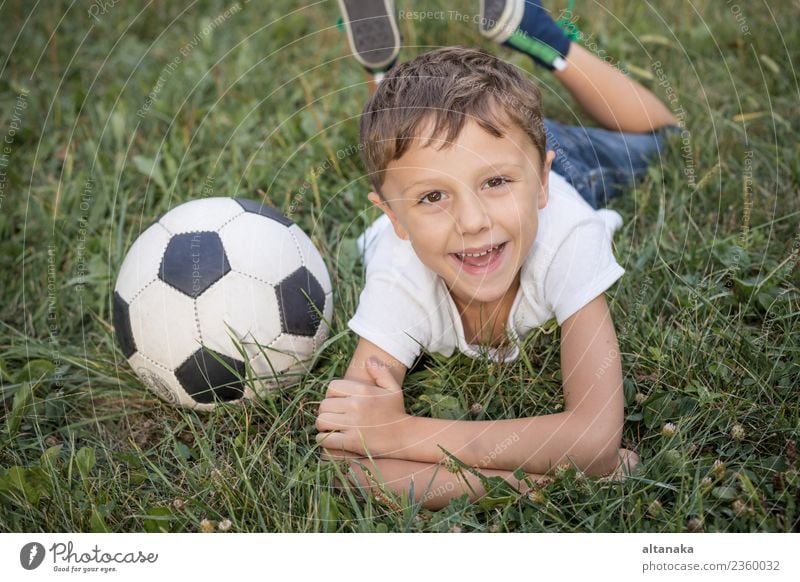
462	255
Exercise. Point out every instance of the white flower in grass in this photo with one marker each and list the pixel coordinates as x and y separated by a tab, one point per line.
225	525
561	470
740	507
536	496
669	430
655	508
737	432
718	469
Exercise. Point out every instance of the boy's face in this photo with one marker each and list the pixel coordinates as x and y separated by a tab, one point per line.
478	193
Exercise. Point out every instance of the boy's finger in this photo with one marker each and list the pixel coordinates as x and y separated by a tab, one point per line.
330	440
341	388
381	374
327	421
335	405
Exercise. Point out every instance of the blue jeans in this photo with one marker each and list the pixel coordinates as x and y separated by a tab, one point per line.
600	163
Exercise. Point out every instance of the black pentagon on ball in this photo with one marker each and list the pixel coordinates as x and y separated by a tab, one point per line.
208	377
193	261
264	210
122	326
299	316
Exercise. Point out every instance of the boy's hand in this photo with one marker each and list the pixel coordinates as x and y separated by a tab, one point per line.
360	417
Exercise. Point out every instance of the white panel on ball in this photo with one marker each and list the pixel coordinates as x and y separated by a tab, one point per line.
288	352
163	324
261	247
204	214
161	382
291	372
141	264
269	363
301	346
248	306
313	260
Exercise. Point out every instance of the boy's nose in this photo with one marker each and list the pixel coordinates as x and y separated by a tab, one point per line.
472	214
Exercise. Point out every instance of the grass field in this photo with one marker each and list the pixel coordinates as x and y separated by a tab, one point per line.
112	113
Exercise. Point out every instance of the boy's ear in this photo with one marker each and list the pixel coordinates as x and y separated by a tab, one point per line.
387	210
545	178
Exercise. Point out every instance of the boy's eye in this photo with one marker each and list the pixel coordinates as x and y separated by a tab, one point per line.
431	197
497	181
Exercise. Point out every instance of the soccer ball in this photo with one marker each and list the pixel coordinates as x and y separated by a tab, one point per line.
219	290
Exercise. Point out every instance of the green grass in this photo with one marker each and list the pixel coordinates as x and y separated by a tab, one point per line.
708	312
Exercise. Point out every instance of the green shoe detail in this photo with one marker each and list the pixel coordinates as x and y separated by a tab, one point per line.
537	49
566	24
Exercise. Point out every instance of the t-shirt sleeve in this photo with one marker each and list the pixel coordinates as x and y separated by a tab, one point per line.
390	316
582	268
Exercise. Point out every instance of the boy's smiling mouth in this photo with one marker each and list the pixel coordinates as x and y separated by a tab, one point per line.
482	260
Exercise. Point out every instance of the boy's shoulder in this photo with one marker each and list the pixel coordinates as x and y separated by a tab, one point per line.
397	308
572	259
565	213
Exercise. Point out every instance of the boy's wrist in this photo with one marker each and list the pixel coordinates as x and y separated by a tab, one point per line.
420	439
404	445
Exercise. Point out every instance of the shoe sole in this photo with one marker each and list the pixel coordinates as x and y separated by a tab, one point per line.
372	31
500	18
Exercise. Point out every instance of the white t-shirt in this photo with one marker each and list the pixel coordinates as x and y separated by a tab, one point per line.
405	306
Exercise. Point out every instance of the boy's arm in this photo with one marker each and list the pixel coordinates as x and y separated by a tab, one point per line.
359	414
587	433
357	369
433	484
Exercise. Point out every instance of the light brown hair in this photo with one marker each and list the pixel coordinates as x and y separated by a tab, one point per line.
449	85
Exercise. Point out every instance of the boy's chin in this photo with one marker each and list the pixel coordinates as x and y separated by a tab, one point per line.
489	296
487	293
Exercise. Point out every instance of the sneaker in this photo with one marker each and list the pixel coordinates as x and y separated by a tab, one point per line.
500	18
527	27
372	32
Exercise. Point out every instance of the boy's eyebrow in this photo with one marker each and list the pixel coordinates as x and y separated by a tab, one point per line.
418	183
433	179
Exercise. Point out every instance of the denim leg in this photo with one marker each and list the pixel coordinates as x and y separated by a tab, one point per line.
600	163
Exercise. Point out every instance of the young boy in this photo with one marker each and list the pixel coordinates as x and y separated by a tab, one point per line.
489	231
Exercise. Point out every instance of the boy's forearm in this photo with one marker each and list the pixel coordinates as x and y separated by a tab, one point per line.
433	484
535	445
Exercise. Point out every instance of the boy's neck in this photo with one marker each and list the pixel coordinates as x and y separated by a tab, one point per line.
485	323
